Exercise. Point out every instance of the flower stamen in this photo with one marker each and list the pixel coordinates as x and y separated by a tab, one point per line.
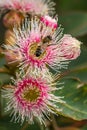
32	94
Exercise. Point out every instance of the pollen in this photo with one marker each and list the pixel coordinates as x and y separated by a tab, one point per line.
31	94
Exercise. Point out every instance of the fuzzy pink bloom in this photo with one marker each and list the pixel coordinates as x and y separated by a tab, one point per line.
50	22
69	47
31	98
37	45
41	7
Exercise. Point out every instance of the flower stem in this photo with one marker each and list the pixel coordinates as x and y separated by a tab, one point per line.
54	123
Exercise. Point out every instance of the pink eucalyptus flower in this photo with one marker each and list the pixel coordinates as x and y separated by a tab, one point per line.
37	45
50	22
39	7
69	47
31	98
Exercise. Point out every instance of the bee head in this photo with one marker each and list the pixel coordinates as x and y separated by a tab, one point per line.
47	39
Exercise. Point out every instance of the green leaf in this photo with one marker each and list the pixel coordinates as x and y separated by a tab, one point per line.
84	128
2	61
3	102
4	78
3	128
5	124
74	23
67	5
75	98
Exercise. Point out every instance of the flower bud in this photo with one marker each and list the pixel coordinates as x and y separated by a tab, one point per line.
69	47
12	18
12	58
50	22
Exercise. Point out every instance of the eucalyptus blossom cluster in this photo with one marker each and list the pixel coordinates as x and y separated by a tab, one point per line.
34	45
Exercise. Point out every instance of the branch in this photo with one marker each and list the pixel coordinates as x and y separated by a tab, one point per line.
4	70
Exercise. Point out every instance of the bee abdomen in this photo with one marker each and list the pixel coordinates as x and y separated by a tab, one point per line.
38	51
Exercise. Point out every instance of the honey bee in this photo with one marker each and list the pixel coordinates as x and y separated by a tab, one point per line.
41	48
